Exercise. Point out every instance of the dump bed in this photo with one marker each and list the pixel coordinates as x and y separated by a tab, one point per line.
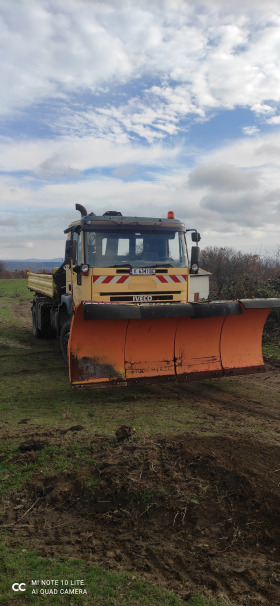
41	283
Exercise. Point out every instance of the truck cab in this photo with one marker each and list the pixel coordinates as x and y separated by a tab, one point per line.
119	259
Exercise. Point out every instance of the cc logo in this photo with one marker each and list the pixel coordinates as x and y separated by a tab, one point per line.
18	587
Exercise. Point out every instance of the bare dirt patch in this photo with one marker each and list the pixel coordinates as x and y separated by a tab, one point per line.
194	513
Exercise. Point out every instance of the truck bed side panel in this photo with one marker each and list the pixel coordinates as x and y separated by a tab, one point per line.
41	283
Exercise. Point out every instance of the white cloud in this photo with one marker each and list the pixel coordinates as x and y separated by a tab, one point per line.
53	166
69	155
250	130
247	153
262	108
8	221
223	177
274	120
226	203
217	58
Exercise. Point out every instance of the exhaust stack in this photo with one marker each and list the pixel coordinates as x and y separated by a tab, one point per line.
82	210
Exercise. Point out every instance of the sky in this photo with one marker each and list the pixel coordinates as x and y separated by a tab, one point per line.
140	106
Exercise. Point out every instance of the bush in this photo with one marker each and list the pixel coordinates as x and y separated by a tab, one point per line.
244	276
5	273
237	275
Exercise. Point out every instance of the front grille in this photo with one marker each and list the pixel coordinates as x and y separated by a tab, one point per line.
122	271
143	292
142	298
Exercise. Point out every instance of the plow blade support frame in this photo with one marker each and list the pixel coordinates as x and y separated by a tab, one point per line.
112	344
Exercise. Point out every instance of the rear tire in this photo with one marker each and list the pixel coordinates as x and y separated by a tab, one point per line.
64	338
37	332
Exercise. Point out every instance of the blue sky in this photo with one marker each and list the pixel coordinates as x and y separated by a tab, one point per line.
142	107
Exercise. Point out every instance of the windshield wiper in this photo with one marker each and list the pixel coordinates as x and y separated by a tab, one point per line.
120	265
162	265
146	266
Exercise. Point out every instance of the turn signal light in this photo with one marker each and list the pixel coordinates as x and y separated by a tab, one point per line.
170	214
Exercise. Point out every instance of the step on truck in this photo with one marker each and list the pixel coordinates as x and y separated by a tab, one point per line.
120	305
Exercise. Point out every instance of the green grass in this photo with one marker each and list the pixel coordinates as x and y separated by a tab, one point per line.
240	385
15	288
271	351
103	588
52	459
106	588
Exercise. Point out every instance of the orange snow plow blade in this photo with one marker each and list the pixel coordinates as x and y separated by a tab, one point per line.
96	350
115	344
241	341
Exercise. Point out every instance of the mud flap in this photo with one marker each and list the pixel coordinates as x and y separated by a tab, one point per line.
115	344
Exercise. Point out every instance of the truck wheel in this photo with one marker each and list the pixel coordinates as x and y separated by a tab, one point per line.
37	332
51	334
64	338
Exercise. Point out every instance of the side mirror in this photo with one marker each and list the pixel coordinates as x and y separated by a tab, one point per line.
196	236
195	257
74	252
68	251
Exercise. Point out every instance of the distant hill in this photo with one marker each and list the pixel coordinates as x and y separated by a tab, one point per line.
33	264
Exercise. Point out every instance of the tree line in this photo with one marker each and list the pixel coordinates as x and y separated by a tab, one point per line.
237	275
5	273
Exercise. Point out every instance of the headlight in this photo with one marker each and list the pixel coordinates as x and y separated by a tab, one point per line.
84	269
194	268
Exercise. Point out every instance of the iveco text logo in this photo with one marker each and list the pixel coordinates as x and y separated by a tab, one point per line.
142	298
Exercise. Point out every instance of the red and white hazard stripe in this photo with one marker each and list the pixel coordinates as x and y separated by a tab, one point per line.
160	279
110	279
169	278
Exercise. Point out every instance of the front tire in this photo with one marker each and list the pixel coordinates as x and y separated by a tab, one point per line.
64	338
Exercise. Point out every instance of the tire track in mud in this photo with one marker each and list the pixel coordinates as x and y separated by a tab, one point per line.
194	513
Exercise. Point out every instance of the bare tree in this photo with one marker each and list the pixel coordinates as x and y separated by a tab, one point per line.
2	268
239	275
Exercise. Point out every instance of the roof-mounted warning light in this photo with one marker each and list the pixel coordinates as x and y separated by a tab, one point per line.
170	214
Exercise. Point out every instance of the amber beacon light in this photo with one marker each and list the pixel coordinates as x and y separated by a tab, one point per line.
170	214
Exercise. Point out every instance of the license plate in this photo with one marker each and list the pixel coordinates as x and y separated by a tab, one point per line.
142	271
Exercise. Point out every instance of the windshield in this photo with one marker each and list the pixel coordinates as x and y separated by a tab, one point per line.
137	249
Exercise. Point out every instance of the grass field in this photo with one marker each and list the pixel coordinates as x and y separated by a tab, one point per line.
62	430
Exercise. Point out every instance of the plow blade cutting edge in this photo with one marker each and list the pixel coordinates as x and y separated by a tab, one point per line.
118	344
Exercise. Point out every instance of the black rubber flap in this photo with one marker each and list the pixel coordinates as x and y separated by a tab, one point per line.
105	311
216	308
260	303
